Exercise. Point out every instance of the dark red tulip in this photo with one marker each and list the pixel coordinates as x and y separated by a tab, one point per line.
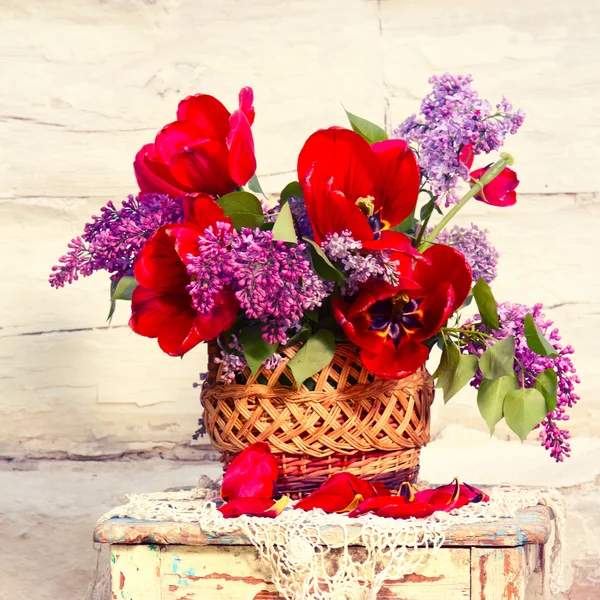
501	190
342	492
351	185
253	507
161	306
252	473
207	150
389	323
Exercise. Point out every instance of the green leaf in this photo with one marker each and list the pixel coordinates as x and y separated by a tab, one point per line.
498	360
315	355
300	336
123	289
486	303
467	301
291	189
547	383
466	368
256	349
322	264
536	340
447	367
254	185
312	315
407	225
490	398
523	410
369	131
284	226
427	209
243	208
113	303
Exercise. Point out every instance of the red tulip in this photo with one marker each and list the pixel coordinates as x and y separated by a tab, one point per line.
423	503
161	306
389	323
501	190
349	185
253	507
206	150
342	492
252	473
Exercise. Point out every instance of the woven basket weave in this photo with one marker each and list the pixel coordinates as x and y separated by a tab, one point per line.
351	421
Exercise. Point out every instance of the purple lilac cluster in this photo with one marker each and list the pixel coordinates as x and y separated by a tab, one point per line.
232	360
454	116
274	284
301	220
477	249
112	241
530	365
346	253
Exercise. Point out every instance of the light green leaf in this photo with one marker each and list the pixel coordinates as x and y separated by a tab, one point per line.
300	336
547	383
498	360
486	303
254	185
113	303
322	264
536	340
291	189
315	355
523	410
124	288
490	398
466	368
369	131
256	349
448	364
284	226
243	208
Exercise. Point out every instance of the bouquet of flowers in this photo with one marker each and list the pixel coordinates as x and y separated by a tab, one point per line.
345	254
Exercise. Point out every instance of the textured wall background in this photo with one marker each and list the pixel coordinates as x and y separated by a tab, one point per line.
87	82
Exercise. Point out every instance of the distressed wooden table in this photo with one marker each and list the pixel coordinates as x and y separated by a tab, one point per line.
152	560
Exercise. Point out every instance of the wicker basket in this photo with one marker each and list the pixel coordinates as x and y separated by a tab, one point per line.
351	421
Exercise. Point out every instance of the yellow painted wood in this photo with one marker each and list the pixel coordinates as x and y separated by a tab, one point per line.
135	573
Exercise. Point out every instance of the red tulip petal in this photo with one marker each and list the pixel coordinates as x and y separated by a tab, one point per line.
253	507
159	266
242	162
376	503
341	158
154	177
466	155
400	180
246	98
501	190
203	211
415	509
221	316
381	489
202	166
331	211
395	363
373	292
436	309
168	317
446	265
399	246
357	330
208	113
252	473
174	137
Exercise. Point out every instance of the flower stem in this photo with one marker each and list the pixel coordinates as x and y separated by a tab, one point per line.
489	175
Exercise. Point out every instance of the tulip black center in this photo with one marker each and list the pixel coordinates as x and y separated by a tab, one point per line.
397	317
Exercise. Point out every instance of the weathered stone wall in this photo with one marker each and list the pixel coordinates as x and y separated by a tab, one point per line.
85	83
